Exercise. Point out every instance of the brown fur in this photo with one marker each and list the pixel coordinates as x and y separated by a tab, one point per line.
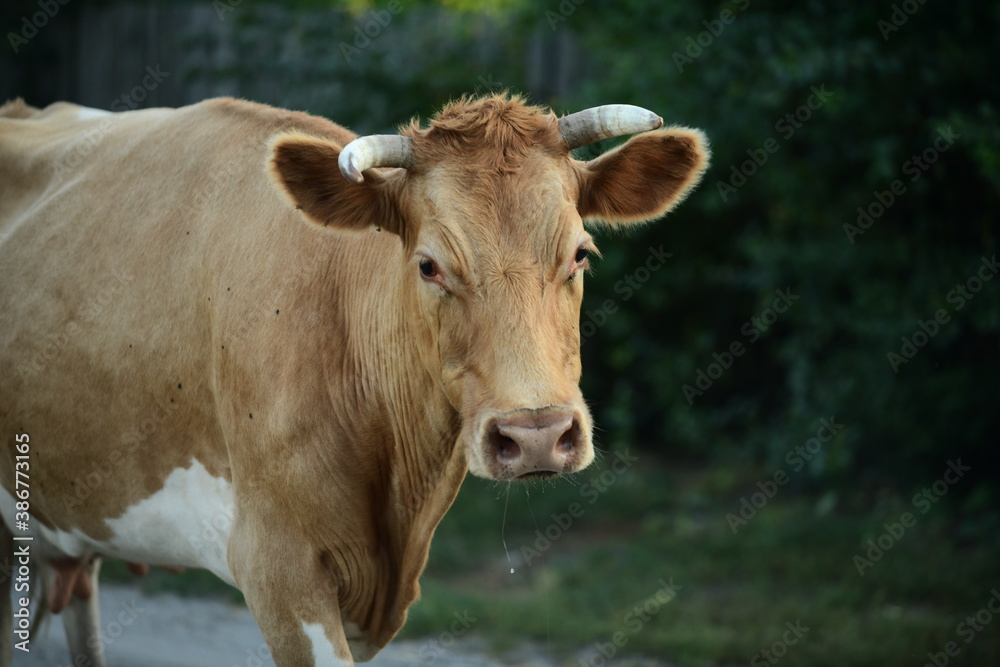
644	178
310	365
498	132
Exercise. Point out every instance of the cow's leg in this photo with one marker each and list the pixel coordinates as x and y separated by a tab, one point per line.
82	617
6	620
292	600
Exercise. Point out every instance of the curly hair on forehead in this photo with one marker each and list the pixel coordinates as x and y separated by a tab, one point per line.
497	129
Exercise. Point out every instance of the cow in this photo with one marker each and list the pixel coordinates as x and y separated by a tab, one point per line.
242	338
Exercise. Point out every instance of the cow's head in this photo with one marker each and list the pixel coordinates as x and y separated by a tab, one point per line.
490	207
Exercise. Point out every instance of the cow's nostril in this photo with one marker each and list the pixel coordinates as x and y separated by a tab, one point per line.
569	440
505	448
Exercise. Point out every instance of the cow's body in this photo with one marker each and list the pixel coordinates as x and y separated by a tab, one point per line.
208	381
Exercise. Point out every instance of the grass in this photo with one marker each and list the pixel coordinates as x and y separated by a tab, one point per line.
793	561
591	554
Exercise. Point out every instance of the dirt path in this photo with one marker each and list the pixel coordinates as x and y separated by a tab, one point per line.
170	631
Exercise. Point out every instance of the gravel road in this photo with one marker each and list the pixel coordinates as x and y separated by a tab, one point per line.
170	631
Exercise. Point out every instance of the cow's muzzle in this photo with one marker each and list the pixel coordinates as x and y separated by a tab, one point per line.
540	442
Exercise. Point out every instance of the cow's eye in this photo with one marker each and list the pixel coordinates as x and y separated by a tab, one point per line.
581	255
428	269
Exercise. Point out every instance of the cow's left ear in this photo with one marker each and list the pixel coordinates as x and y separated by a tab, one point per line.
643	178
305	169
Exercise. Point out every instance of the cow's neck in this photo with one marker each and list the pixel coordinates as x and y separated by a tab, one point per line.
420	465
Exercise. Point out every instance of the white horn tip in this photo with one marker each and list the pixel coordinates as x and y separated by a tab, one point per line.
606	121
348	169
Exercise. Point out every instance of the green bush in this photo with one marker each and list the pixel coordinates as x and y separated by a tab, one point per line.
784	228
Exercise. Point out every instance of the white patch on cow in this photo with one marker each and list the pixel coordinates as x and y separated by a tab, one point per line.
186	523
357	641
322	648
86	113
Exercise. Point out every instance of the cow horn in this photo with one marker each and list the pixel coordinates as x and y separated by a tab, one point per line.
603	122
377	150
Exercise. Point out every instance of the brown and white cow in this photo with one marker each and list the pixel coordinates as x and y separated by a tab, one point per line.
243	339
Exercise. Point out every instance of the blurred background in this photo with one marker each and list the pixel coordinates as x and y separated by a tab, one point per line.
806	389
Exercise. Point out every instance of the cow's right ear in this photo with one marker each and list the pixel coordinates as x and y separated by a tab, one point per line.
643	178
305	169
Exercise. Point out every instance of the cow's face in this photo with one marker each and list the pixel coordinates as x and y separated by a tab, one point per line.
490	211
497	269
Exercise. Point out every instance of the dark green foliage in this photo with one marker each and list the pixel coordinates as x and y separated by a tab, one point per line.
784	228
